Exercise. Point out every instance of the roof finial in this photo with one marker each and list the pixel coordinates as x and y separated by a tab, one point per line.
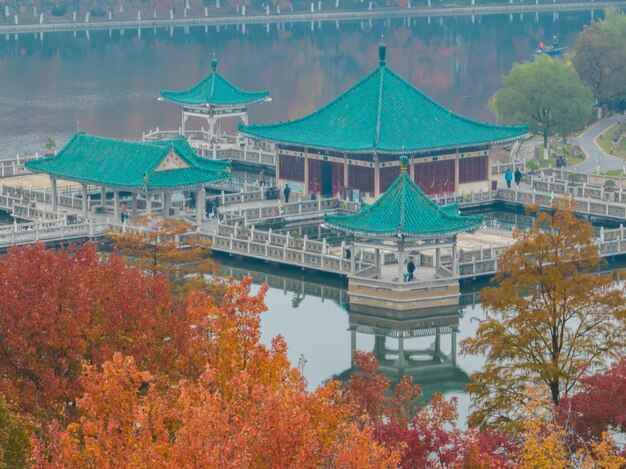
214	62
404	161
382	51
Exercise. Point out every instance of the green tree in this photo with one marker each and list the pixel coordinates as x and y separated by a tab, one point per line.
550	318
600	57
547	94
14	438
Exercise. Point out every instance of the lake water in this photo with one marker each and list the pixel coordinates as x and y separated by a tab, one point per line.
108	84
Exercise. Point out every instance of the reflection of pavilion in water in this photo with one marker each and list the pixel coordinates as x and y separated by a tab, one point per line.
413	347
423	345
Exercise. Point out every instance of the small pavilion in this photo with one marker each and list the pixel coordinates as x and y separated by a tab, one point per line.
413	345
351	145
404	220
152	170
214	98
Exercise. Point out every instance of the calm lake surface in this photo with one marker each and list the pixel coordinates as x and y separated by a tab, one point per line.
108	84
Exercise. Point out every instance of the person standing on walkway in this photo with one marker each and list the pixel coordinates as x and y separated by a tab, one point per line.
508	176
123	212
287	191
518	177
262	177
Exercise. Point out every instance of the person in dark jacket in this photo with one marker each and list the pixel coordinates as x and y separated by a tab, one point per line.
287	191
518	177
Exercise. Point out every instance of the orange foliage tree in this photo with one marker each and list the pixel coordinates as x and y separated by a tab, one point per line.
550	317
249	408
168	247
61	308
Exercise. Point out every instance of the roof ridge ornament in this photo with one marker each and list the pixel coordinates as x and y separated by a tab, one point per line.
214	62
404	161
382	52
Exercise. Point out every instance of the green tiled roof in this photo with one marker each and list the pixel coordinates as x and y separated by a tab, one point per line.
404	210
125	164
215	91
383	113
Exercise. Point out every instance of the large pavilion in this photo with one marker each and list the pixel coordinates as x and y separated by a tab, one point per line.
404	220
153	170
213	99
351	146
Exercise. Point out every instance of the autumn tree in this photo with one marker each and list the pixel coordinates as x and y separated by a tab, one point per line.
425	434
600	407
547	94
14	437
249	408
169	247
544	442
600	57
61	308
550	318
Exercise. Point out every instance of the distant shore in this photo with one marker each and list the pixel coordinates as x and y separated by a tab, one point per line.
330	14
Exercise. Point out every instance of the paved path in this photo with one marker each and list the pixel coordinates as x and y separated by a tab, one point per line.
596	157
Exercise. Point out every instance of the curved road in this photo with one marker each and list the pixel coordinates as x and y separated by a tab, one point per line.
597	158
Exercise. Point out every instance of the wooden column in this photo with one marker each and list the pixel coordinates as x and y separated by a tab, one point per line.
400	260
346	170
200	201
377	261
305	189
456	173
116	206
412	168
85	196
376	177
489	172
167	203
148	204
352	259
277	164
55	195
455	261
133	204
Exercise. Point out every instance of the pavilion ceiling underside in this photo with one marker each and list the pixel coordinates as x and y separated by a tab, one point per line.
217	91
384	114
118	163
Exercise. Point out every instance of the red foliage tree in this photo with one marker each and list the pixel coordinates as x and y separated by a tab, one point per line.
600	406
61	308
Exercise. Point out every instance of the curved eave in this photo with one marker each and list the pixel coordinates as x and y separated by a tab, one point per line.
382	151
149	188
262	96
394	234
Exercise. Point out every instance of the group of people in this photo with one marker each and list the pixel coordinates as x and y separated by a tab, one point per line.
509	176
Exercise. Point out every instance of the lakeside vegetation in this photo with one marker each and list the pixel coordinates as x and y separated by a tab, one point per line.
613	141
110	365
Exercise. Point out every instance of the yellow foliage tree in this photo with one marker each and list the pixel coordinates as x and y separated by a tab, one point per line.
550	317
168	247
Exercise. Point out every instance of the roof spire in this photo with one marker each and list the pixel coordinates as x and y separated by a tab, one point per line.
214	62
382	51
404	161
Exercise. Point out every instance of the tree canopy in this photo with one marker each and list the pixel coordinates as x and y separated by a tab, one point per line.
599	57
547	94
551	317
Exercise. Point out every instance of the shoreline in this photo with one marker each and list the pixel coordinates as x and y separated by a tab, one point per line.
300	17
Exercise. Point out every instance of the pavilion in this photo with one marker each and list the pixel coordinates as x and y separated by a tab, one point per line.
153	170
404	219
214	98
351	146
400	347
